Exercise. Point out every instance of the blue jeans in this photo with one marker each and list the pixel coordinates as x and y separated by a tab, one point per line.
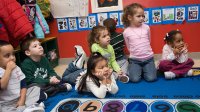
71	73
136	68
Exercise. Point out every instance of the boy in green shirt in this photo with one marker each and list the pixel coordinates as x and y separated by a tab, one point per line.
38	71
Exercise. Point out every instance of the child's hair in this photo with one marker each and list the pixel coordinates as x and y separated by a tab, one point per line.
26	43
95	34
169	38
91	64
130	10
110	24
4	43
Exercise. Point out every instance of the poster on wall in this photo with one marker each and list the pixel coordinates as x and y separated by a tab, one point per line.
120	19
180	14
156	14
72	24
192	13
168	15
115	16
82	23
106	5
62	25
146	16
101	17
69	8
92	20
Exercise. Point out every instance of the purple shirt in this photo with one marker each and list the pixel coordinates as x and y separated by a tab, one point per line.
137	40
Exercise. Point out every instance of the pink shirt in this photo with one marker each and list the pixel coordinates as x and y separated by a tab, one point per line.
137	40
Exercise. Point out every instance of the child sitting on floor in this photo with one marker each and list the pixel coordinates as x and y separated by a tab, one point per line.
38	71
175	61
14	95
99	41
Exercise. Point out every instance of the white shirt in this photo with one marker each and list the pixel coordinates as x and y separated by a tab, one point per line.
168	54
99	92
13	89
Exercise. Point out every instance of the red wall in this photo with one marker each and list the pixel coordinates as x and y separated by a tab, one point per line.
67	40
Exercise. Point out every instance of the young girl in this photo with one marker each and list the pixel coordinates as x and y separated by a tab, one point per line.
175	61
137	39
99	41
98	79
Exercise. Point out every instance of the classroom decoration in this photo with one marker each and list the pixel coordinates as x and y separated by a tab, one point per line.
152	16
69	8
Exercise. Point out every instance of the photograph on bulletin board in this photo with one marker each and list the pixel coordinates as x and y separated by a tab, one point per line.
120	18
92	20
146	16
101	17
82	23
62	25
156	16
115	16
106	5
168	15
192	13
72	24
180	14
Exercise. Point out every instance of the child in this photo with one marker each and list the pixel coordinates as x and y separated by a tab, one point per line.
14	97
38	71
137	39
98	78
99	41
175	61
117	42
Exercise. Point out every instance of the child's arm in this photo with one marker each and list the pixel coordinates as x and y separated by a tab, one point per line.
168	54
6	77
113	61
21	101
112	87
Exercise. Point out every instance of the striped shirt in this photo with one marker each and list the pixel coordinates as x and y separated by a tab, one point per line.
137	40
13	89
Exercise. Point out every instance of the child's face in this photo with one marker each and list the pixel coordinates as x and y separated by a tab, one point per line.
104	38
138	18
101	66
6	55
35	49
178	40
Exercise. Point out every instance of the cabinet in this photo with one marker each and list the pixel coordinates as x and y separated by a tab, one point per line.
50	51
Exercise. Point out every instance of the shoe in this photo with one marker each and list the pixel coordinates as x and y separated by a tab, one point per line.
34	108
80	57
51	91
64	87
169	75
190	72
123	78
42	105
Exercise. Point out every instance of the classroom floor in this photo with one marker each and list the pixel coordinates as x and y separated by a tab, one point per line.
63	62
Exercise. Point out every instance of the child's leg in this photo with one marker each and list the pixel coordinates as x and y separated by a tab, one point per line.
123	65
32	95
134	70
71	73
149	70
182	68
166	65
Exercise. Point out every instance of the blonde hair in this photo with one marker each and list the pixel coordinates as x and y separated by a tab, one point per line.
130	10
95	34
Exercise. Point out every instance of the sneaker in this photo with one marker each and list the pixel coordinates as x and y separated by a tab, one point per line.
42	105
169	75
64	87
190	72
80	57
123	78
34	108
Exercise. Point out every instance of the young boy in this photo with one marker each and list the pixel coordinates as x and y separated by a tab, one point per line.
117	42
14	97
38	71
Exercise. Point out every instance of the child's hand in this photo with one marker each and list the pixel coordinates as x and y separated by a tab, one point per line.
107	72
20	103
11	65
54	80
184	49
100	75
120	72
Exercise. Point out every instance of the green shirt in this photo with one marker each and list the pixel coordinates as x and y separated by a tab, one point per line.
107	53
37	72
